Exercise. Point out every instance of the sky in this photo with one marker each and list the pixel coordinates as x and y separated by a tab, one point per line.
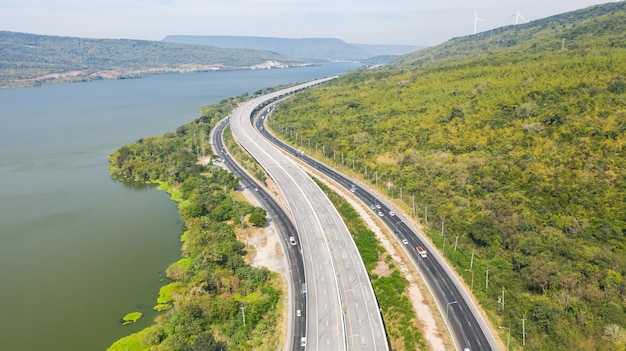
398	22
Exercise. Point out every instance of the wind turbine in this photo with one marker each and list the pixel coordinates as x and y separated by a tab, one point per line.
476	19
518	16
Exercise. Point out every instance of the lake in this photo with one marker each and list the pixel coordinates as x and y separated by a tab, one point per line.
78	250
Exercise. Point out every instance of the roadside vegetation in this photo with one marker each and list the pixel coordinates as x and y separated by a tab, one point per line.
510	143
391	289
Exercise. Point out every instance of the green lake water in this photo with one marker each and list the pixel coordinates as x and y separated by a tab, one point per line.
78	250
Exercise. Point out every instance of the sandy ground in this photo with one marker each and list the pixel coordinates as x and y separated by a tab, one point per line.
269	253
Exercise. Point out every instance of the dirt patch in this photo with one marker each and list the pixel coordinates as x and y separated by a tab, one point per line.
264	250
204	160
268	251
382	269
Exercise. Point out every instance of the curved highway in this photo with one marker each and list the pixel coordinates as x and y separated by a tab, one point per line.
342	311
468	328
284	225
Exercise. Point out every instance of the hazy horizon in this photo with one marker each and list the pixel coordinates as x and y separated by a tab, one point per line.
376	22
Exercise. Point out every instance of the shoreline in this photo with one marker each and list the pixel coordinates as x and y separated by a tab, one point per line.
78	76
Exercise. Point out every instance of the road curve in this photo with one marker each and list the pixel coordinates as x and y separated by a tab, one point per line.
342	311
468	328
296	326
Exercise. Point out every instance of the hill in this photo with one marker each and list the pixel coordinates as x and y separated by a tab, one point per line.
515	142
574	31
29	59
307	48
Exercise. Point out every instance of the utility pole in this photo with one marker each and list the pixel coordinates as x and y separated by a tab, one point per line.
523	330
243	313
443	221
426	213
414	213
456	241
502	299
472	260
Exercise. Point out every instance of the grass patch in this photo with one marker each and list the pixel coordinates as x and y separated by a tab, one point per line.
174	192
131	317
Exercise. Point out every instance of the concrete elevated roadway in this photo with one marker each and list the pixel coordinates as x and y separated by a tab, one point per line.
342	311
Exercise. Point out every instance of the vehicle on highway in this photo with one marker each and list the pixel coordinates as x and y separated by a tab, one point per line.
422	252
378	206
380	213
292	240
299	313
405	242
391	213
303	341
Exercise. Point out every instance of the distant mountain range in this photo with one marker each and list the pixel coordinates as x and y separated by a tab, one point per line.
30	60
329	49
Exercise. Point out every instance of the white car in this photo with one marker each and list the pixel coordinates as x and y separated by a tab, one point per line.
377	206
405	242
391	213
299	313
380	213
292	240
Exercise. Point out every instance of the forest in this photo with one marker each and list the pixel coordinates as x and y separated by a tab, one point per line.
212	281
509	147
212	285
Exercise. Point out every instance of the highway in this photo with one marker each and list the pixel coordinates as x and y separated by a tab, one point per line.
468	328
296	327
342	311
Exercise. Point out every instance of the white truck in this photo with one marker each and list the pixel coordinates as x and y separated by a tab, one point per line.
422	252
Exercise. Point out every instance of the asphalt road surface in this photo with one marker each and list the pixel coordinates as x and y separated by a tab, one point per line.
468	328
285	227
342	312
